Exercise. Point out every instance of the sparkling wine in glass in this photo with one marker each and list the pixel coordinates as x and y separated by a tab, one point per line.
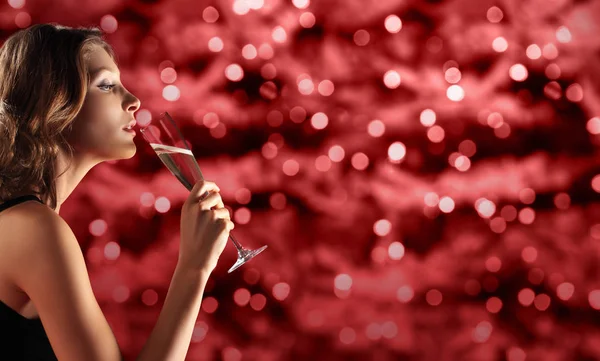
168	143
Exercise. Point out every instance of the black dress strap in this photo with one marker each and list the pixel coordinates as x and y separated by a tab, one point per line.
21	199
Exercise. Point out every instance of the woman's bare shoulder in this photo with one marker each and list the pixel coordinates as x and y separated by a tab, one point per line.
22	226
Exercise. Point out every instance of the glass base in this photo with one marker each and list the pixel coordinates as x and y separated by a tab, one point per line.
245	256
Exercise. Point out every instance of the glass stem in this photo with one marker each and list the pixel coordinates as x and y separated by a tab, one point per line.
239	247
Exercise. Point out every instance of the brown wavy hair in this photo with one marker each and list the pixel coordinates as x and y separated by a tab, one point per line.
43	84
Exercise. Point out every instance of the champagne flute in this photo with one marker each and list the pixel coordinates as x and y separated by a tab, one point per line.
168	143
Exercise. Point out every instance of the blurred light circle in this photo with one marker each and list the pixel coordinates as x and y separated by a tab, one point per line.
121	294
231	353
109	24
249	52
396	251
446	204
291	167
278	201
376	128
241	7
533	52
515	354
452	75
500	44
268	71
455	93
462	163
268	90
306	86
498	225
360	161
243	195
162	205
361	37
143	117
565	291
574	93
393	24
596	183
336	153
326	88
200	331
428	117
319	120
482	332
563	35
405	293
16	4
98	227
265	51
467	147
472	287
434	297
373	331
279	34
529	254
436	134
518	72
149	297
242	215
431	199
209	304
241	296
343	282
594	299
147	199
392	79
168	75
542	302
494	14
593	125
389	330
256	4
562	201
493	305
281	291
347	335
322	163
552	71
234	72
23	19
297	114
301	4
210	14
527	215
112	251
382	227
526	296
396	151
527	195
485	207
210	120
535	276
307	20
493	264
549	51
495	120
553	90
171	93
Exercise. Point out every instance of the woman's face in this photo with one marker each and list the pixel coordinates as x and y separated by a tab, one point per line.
97	131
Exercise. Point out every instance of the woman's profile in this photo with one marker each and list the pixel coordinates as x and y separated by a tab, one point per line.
63	110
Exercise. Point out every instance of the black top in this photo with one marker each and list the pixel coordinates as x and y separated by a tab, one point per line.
22	339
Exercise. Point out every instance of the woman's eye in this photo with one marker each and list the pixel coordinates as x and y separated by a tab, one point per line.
106	87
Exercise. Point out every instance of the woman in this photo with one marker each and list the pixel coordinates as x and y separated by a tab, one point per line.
63	110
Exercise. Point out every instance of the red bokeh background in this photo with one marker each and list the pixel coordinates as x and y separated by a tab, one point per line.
425	174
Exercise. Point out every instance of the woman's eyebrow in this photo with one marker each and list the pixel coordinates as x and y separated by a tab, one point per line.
94	73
